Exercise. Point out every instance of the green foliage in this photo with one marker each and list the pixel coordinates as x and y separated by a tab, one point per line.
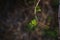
38	9
31	25
34	22
50	33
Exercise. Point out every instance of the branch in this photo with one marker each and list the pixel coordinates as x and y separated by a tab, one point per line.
35	9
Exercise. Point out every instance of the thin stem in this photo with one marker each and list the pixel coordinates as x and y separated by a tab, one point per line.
35	9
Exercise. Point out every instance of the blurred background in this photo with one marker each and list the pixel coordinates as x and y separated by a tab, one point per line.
29	19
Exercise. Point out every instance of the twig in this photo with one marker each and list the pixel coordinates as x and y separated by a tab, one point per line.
35	9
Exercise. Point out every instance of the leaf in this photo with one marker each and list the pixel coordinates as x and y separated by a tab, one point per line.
34	22
38	9
32	25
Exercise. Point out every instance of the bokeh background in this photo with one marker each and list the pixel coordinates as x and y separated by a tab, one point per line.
29	19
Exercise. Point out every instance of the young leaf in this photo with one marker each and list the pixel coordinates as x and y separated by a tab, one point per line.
38	9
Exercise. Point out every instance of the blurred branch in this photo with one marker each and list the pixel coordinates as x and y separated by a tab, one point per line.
35	9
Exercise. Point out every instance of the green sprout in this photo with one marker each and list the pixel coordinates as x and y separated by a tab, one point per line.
31	25
34	22
38	9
